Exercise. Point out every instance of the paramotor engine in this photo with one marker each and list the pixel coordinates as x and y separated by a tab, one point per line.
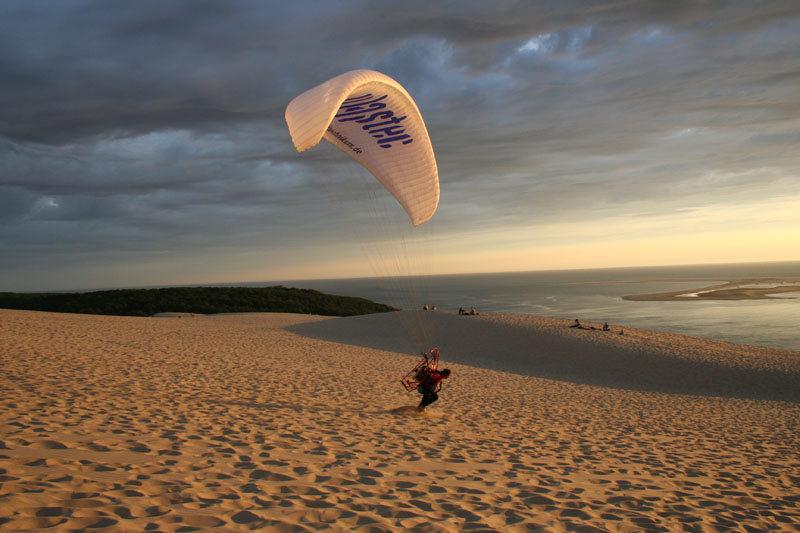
426	365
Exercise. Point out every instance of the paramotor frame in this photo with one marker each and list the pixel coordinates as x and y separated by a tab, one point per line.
426	365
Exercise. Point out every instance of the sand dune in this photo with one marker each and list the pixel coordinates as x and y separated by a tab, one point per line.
545	347
296	423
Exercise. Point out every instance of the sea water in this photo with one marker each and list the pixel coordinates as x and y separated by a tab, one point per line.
596	296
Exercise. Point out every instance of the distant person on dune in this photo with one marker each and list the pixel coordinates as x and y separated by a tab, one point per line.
576	324
430	387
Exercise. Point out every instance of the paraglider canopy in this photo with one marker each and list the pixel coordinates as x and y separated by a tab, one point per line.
373	119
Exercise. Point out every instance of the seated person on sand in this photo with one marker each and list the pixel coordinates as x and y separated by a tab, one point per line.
605	327
576	324
472	311
425	307
461	311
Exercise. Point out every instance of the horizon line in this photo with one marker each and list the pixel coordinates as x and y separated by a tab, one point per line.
279	282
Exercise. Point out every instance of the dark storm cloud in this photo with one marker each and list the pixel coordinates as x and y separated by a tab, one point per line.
125	124
82	68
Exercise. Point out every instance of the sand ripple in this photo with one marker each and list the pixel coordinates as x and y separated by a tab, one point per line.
271	422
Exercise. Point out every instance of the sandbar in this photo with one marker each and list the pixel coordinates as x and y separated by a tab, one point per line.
740	289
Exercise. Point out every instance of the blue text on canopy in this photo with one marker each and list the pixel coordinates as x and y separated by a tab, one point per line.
367	110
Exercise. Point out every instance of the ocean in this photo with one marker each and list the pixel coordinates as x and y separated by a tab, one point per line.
596	296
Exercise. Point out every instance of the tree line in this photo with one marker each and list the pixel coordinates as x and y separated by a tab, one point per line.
201	300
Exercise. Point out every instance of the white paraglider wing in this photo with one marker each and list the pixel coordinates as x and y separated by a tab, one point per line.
371	118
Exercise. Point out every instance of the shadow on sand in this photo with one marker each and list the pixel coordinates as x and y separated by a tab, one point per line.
551	350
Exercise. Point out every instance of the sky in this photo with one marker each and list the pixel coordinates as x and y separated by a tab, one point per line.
144	143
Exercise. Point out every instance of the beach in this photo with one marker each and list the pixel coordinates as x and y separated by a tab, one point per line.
281	422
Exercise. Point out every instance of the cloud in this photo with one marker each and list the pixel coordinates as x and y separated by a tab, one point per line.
151	127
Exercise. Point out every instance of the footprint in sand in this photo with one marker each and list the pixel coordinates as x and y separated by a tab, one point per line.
48	445
88	466
124	512
97	447
91	522
368	472
51	511
138	447
202	521
87	503
409	410
156	510
269	476
246	518
33	524
35	462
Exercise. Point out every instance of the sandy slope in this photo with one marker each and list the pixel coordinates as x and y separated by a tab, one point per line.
294	423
